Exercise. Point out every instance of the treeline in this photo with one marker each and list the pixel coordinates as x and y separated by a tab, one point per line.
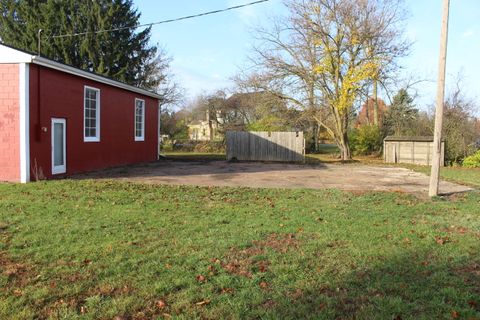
263	111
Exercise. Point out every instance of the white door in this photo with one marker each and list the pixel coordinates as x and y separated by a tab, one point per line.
59	144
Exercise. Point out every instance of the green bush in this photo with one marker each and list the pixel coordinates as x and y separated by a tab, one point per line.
472	161
366	140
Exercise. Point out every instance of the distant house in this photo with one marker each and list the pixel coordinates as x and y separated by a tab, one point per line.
206	129
366	115
235	113
57	120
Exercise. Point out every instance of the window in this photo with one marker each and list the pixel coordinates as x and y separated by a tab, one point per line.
91	115
139	120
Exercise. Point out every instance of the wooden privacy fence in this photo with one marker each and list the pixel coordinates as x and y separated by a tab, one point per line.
265	146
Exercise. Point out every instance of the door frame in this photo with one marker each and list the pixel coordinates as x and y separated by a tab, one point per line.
59	169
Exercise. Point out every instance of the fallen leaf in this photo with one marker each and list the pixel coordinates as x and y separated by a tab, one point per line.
472	304
297	294
227	290
442	240
161	304
454	314
263	285
202	303
201	278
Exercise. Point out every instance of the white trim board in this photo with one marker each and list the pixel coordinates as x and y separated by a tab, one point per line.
10	55
24	104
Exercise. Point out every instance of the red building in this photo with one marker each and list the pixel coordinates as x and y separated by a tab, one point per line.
366	115
57	120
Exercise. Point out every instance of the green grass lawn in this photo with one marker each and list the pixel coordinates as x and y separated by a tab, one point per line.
100	250
466	176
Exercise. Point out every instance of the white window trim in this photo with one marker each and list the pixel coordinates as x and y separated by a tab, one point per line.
97	115
142	137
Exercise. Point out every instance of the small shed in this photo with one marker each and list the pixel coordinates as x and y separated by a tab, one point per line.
413	150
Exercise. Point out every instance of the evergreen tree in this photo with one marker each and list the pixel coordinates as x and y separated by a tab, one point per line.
400	118
123	55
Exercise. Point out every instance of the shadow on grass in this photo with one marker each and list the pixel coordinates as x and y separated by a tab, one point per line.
415	285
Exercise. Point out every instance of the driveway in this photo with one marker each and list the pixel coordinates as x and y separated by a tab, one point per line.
352	177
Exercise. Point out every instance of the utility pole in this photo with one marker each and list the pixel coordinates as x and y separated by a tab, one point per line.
437	140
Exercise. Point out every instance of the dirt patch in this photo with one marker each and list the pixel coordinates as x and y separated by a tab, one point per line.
351	177
470	273
244	262
19	275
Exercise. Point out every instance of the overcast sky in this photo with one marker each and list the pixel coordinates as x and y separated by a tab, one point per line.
207	51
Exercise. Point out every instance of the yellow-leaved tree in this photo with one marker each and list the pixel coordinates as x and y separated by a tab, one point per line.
324	52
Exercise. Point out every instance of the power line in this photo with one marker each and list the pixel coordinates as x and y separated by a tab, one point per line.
161	22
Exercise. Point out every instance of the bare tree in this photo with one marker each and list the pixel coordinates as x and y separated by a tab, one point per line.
325	52
459	124
172	93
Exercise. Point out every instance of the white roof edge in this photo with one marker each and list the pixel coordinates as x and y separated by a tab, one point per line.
10	55
84	74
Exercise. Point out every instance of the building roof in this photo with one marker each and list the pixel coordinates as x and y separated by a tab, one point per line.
195	123
13	55
410	138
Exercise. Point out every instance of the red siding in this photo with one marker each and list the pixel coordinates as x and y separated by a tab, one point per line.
54	94
9	123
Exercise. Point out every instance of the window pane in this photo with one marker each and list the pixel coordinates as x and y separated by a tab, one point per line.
139	118
90	121
58	144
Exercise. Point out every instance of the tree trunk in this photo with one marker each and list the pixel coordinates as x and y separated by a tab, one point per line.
345	152
210	125
375	103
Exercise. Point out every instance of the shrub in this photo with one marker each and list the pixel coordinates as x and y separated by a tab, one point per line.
366	140
472	161
210	147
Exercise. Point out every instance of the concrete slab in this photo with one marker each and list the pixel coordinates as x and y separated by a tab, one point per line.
352	177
